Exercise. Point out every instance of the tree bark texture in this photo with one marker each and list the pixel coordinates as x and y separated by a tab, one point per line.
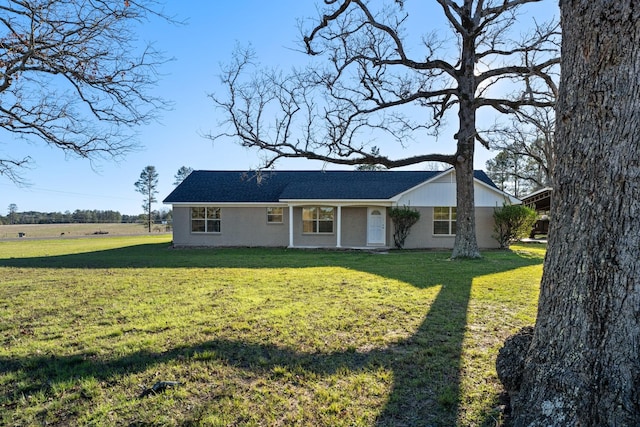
583	366
466	245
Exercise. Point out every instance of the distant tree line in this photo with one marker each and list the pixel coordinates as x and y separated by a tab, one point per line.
79	216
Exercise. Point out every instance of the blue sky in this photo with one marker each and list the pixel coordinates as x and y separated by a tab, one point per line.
59	183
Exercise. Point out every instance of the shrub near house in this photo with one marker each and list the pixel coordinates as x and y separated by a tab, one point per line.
512	222
403	219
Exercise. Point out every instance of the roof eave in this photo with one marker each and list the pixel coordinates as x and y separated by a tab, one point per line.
337	201
200	203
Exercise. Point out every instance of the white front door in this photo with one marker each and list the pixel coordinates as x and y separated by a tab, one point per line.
376	226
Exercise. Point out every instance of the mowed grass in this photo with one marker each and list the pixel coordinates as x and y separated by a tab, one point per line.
257	337
39	231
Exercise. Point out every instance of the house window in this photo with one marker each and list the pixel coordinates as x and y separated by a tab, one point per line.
317	220
205	220
274	215
444	221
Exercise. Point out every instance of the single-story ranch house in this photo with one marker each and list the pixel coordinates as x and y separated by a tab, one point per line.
325	209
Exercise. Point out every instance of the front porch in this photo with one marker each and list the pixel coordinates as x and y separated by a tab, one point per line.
324	224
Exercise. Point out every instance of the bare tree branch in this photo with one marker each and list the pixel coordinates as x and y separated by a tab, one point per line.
72	75
375	86
528	142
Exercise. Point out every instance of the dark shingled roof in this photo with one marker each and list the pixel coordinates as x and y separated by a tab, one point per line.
272	186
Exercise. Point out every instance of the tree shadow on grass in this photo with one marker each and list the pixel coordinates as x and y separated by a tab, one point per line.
426	366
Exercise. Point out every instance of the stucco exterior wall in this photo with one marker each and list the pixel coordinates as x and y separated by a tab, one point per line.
322	240
239	226
247	226
421	234
354	227
484	228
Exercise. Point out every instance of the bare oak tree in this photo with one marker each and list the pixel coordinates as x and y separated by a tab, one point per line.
73	76
583	366
378	84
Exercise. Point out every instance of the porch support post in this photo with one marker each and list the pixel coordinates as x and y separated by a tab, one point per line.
339	228
290	226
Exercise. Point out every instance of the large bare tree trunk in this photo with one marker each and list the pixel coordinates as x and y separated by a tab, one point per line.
583	366
466	245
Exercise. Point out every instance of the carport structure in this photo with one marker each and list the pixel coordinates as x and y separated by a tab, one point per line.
540	201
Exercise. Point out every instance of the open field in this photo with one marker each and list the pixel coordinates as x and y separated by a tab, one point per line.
74	230
258	337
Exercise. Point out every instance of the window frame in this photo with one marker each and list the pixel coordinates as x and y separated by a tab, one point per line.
439	219
318	221
210	217
271	216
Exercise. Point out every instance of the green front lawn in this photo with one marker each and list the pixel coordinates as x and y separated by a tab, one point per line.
254	336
